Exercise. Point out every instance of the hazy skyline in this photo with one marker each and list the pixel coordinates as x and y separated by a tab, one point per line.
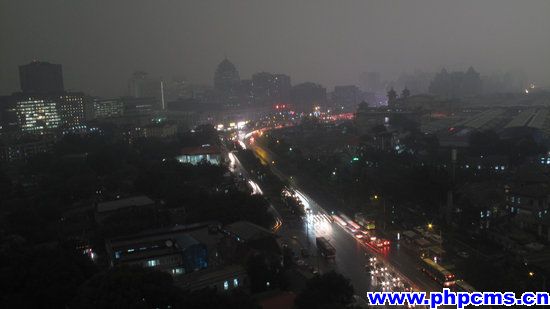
100	43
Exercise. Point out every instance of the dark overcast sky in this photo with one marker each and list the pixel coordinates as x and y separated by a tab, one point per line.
100	43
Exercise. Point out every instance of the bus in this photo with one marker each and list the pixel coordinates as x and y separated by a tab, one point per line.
325	248
438	272
366	221
339	220
354	225
350	223
344	217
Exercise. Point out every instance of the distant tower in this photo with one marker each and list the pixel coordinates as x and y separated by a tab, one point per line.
392	97
226	79
162	95
136	84
41	78
405	93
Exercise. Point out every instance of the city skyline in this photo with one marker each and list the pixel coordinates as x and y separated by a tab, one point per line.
274	154
325	43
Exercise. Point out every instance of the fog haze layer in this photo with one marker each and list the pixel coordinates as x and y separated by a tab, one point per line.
100	43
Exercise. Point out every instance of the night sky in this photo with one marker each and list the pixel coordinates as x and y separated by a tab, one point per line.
100	43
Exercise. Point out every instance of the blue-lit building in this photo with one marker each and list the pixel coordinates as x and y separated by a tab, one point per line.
172	251
205	153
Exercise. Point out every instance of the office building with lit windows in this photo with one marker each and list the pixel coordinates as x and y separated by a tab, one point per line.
107	108
70	107
37	114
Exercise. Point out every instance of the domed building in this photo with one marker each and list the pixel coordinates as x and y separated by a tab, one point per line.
226	79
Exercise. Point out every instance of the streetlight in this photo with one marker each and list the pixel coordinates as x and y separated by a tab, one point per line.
430	226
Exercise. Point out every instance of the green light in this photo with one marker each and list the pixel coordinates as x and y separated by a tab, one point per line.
355	159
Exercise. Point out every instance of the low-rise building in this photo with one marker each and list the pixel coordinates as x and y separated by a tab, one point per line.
529	200
105	209
25	147
221	279
189	253
159	130
205	153
178	250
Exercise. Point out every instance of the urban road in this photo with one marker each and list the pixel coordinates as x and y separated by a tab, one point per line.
350	258
351	254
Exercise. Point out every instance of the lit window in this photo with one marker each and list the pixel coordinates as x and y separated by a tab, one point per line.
226	285
235	282
177	271
152	263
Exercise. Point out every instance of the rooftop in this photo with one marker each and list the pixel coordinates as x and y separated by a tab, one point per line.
201	150
247	231
134	201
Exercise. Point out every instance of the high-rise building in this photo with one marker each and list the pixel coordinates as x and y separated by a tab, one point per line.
305	96
247	91
270	88
139	106
137	83
261	87
8	115
107	108
36	114
41	78
70	107
141	85
227	82
346	95
280	89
